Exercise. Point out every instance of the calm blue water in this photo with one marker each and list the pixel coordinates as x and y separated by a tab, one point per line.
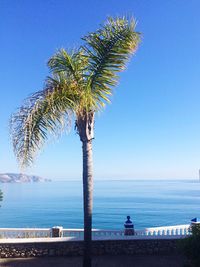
150	203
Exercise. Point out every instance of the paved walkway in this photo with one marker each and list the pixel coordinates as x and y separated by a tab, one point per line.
98	261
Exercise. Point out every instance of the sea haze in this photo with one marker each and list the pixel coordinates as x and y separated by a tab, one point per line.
148	202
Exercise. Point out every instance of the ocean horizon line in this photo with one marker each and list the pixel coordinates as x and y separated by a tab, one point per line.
127	179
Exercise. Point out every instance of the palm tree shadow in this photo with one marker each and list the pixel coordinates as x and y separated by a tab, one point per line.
42	262
100	261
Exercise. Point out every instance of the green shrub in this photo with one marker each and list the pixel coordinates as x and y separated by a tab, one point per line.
191	246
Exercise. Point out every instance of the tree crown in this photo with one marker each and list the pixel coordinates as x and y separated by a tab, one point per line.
80	82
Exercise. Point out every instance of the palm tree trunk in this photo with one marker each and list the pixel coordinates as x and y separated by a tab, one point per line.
85	127
87	200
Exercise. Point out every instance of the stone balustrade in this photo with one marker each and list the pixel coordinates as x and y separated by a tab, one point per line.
24	232
97	234
168	230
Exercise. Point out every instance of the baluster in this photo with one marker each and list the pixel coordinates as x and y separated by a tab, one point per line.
164	232
174	231
168	232
186	231
180	231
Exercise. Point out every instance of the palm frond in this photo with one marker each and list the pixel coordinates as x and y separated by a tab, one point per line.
108	50
72	64
47	111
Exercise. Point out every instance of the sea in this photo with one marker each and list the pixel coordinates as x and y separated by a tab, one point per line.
150	203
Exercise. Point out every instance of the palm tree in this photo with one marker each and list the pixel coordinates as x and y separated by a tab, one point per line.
80	84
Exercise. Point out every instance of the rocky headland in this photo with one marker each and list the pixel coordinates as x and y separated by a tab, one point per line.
21	178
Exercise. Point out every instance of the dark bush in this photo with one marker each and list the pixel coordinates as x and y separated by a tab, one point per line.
191	246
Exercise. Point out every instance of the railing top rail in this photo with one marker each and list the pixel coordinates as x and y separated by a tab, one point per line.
93	230
25	229
103	230
73	229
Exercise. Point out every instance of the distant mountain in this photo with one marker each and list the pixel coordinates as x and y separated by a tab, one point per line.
20	178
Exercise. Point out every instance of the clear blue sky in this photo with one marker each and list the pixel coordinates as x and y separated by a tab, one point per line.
152	127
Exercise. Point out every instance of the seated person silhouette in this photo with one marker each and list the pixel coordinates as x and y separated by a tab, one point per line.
128	227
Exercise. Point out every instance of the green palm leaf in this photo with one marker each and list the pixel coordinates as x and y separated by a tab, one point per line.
47	111
72	64
108	50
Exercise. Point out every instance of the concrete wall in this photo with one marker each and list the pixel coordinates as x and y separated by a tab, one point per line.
74	248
